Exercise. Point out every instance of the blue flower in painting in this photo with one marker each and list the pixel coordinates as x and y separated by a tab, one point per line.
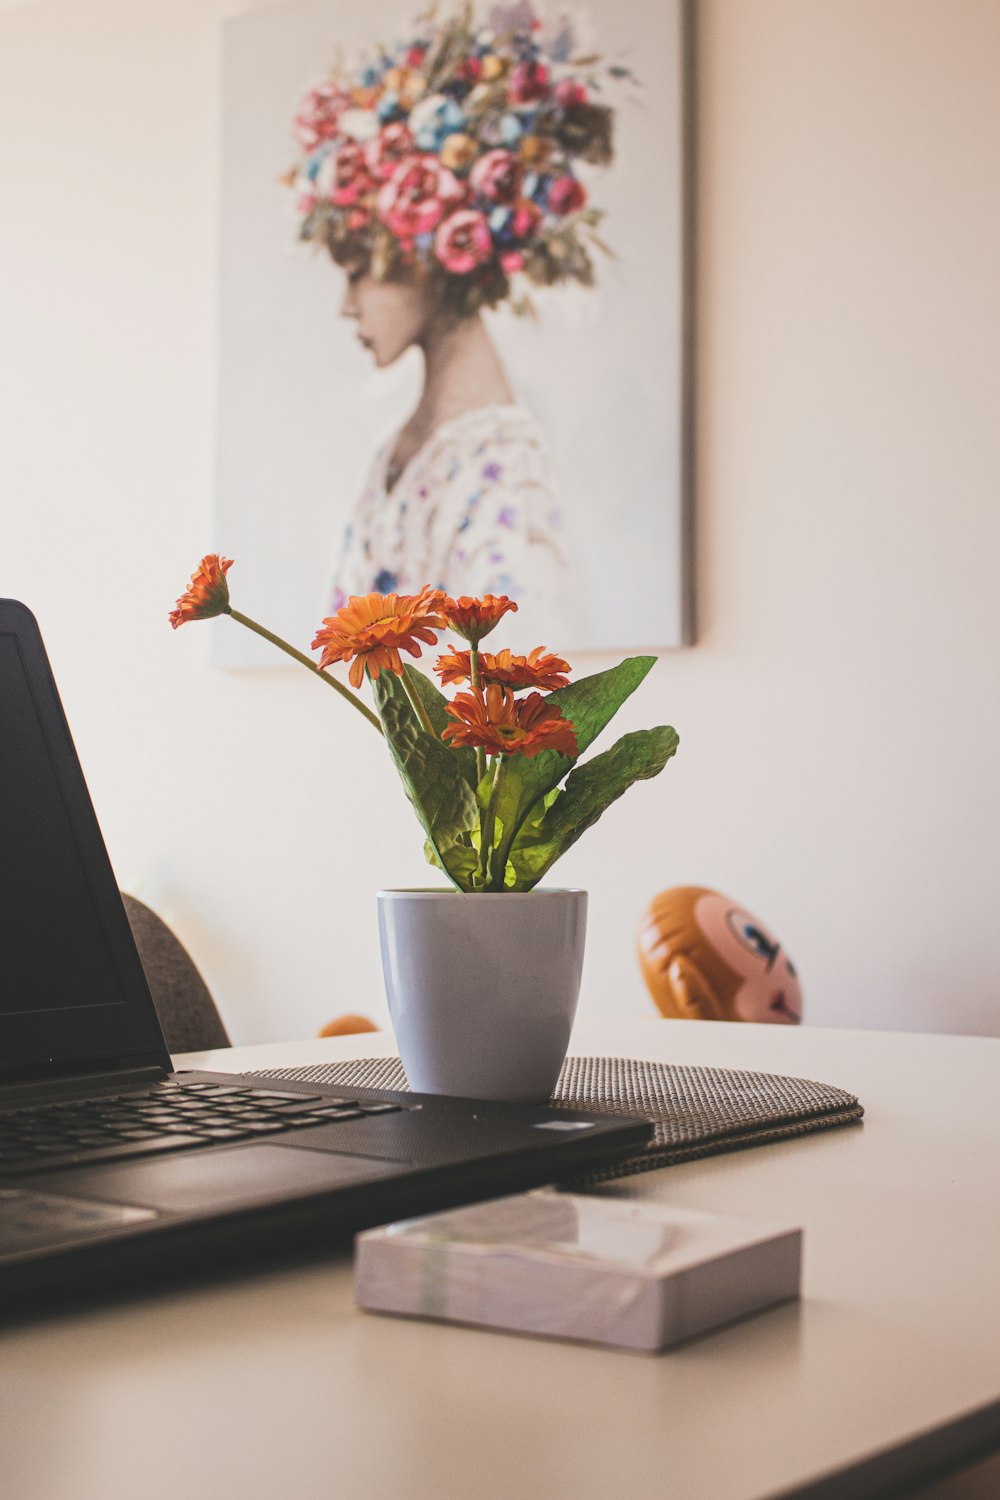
386	581
456	88
316	160
511	130
492	471
433	120
388	107
561	43
501	222
536	187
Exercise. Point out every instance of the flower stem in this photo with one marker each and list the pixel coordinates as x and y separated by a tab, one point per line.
300	657
488	827
416	704
475	678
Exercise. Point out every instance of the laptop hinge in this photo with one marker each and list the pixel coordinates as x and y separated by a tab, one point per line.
71	1085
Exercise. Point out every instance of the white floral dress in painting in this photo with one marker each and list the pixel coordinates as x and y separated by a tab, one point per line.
475	511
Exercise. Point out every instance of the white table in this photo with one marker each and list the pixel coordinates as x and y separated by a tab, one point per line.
277	1386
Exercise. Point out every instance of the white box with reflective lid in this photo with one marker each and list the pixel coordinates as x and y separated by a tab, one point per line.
628	1272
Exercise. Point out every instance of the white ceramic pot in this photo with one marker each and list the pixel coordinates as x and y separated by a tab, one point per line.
482	988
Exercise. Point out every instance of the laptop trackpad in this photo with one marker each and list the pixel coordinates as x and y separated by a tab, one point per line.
31	1220
205	1180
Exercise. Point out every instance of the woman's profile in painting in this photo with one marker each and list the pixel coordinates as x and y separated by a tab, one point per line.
445	177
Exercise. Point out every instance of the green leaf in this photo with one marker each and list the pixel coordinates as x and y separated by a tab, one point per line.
435	705
430	855
434	776
589	790
463	860
589	703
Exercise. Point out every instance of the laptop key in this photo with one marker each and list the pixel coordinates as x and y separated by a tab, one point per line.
214	1093
260	1094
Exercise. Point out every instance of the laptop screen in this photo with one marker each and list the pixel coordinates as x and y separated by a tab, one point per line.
71	986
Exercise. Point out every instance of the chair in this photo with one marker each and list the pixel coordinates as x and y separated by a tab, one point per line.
187	1012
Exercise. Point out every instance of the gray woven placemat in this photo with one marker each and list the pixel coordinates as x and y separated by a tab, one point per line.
696	1111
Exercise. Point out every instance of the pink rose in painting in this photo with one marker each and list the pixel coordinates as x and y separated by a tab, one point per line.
463	242
319	115
306	203
511	261
570	93
566	196
417	196
525	219
350	175
497	176
529	82
392	145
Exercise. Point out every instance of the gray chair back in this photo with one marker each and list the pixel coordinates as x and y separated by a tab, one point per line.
187	1012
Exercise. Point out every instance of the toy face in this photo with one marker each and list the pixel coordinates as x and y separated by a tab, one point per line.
770	990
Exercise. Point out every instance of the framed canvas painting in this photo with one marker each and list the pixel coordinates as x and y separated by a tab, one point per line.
452	315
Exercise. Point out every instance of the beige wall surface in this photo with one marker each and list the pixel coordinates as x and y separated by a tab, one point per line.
840	716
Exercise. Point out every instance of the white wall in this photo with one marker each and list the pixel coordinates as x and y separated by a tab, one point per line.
840	718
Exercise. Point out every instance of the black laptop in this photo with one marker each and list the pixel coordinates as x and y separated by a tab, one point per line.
114	1168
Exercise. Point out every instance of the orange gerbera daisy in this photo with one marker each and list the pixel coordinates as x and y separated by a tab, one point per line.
370	631
534	670
208	593
501	724
474	618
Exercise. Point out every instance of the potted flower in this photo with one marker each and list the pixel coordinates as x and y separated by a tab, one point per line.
482	992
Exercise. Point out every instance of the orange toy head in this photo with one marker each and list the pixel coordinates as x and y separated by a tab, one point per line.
704	958
349	1025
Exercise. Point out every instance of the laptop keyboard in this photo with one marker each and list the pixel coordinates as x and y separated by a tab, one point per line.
167	1117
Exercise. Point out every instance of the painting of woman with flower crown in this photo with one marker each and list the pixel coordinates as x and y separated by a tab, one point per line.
452	182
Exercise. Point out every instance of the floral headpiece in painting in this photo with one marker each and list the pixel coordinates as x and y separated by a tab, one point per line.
459	152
